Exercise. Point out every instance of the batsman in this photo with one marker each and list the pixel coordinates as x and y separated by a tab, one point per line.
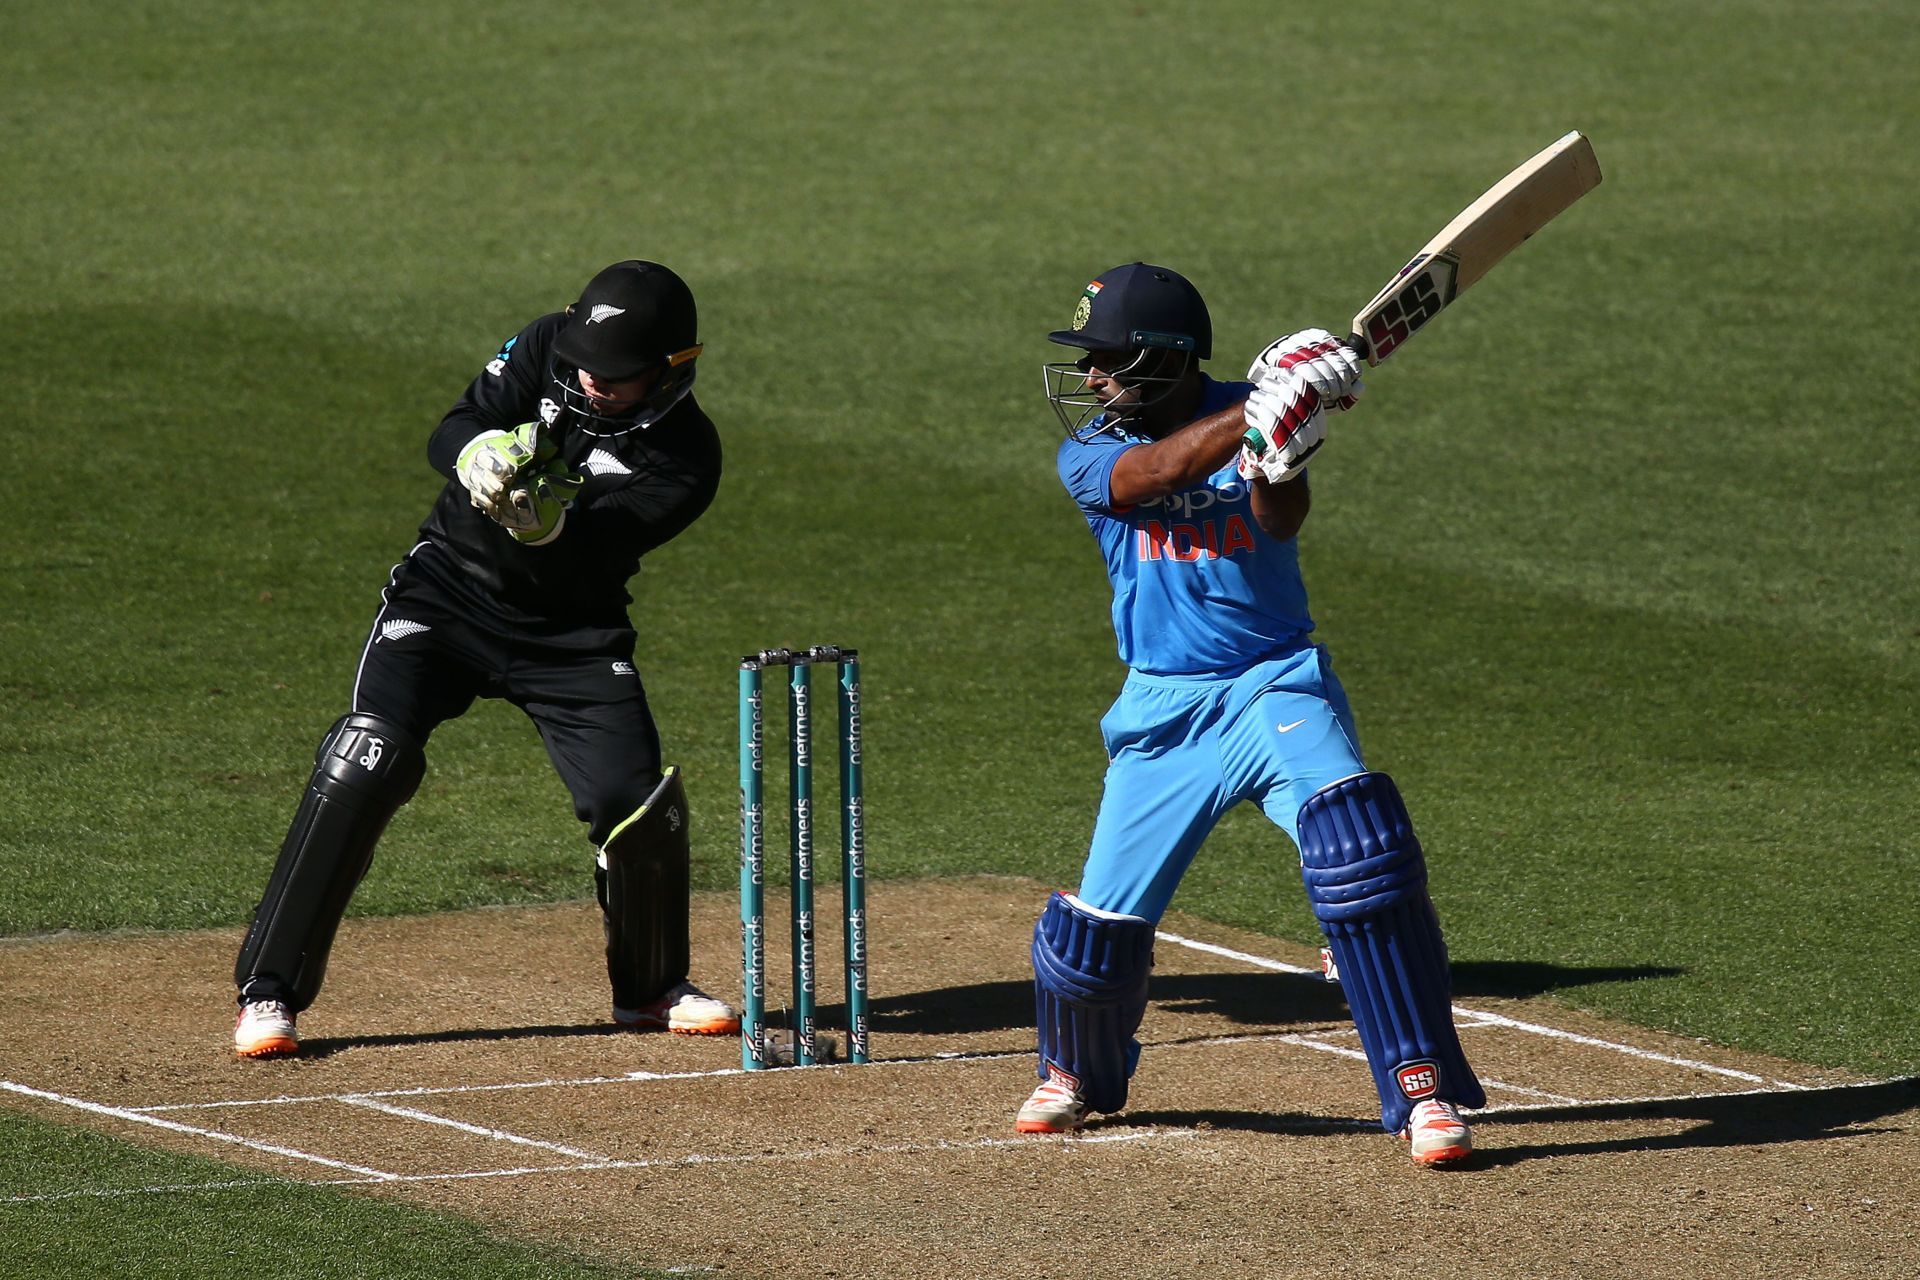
577	450
1194	491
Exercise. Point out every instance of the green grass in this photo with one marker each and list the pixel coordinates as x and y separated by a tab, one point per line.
1616	560
74	1203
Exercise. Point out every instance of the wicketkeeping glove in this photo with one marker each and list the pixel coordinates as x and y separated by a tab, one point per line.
492	460
1286	425
535	509
1321	358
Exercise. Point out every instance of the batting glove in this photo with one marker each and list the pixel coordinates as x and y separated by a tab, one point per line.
1321	358
1286	425
492	459
536	511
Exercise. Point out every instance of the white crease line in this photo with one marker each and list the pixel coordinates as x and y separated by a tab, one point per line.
1557	1034
597	1165
174	1188
419	1091
1495	1019
784	1157
408	1113
631	1077
121	1113
1308	1042
1262	962
1478	1018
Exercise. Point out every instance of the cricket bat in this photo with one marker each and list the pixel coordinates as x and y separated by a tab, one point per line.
1468	247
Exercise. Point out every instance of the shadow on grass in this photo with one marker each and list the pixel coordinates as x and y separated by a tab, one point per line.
1245	999
1521	978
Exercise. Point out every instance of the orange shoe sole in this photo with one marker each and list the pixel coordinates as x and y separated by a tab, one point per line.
722	1028
277	1047
1041	1126
1445	1155
705	1029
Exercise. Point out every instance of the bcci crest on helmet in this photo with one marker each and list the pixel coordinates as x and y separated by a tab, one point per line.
1084	312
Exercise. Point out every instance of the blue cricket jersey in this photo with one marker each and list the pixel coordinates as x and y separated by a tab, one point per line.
1198	587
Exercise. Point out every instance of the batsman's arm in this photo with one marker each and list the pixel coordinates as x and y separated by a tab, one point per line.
1280	509
1179	461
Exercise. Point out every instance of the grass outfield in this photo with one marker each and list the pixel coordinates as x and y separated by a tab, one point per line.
1616	560
73	1203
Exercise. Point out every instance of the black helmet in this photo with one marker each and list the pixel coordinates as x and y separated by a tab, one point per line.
1153	312
633	317
1139	305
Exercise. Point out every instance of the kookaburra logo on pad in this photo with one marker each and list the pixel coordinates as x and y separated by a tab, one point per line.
601	311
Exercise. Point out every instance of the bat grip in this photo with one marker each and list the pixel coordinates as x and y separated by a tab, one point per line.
1358	344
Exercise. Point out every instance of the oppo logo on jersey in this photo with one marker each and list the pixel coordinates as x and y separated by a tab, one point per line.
1190	502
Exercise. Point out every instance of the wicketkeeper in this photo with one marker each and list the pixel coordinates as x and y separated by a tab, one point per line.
577	450
1226	699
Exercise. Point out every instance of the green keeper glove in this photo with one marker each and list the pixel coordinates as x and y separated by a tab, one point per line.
536	511
492	460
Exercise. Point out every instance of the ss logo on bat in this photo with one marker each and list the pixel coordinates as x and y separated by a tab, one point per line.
1401	317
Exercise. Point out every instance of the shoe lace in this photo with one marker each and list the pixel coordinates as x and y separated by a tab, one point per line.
1053	1089
1436	1112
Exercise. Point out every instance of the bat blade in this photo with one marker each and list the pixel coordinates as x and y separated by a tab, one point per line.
1468	247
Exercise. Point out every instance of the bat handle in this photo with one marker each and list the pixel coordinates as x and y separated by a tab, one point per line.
1358	344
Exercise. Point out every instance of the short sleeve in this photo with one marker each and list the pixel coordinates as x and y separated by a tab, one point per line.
1086	469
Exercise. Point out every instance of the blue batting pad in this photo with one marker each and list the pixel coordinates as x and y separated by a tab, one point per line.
1367	880
1090	991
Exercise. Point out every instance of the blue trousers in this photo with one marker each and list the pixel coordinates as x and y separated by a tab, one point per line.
1183	750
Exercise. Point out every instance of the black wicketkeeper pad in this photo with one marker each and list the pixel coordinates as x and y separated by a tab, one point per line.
645	896
365	770
1367	879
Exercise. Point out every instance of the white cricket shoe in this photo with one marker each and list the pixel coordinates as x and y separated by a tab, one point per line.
1437	1133
1057	1106
684	1009
264	1029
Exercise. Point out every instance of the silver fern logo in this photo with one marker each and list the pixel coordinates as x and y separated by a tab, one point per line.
602	463
601	311
400	629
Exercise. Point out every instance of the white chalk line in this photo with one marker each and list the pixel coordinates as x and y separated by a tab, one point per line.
498	1135
1485	1018
421	1091
1031	1142
121	1113
368	1098
164	1188
1472	1018
363	1097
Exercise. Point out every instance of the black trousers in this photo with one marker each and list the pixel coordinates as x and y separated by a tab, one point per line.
429	654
